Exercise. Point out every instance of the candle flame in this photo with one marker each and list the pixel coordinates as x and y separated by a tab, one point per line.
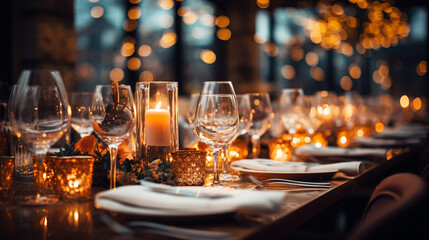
158	105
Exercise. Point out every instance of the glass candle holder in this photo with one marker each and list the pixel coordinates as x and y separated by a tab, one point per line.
157	120
280	149
7	169
238	149
73	177
189	167
46	177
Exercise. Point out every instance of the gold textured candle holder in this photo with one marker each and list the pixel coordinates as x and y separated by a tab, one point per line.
280	149
47	175
189	167
73	177
7	170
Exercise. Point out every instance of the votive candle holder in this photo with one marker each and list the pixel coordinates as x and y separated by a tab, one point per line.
189	167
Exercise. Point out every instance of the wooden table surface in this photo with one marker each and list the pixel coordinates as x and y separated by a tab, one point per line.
80	220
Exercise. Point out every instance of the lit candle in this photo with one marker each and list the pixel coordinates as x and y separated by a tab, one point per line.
157	126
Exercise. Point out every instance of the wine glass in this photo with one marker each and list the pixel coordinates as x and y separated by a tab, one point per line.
291	108
262	115
40	118
245	121
192	105
112	117
80	104
216	119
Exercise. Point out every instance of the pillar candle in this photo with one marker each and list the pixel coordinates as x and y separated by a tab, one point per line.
157	127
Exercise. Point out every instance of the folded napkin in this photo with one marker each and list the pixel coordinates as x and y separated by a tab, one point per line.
311	150
240	200
351	168
402	132
382	142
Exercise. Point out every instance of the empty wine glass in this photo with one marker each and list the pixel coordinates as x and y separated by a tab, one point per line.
291	109
192	105
262	115
112	116
216	119
245	120
40	118
80	104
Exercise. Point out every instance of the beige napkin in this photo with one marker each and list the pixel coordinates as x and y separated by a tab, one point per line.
311	150
247	201
351	168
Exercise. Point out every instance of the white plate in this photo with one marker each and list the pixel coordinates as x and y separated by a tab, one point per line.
114	206
260	174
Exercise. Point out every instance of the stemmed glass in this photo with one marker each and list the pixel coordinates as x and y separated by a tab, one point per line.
216	119
40	117
262	115
112	116
80	104
291	109
245	121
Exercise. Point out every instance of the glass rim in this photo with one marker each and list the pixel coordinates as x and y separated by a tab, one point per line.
157	82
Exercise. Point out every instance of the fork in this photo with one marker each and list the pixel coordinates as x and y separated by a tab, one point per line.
281	181
161	229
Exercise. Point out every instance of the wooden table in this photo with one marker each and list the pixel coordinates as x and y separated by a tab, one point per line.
79	220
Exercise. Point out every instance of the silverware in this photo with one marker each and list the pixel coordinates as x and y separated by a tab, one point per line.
280	181
161	229
155	187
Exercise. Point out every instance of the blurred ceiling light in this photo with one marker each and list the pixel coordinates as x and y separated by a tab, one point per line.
263	3
134	13
317	74
183	10
134	64
145	50
166	4
134	1
97	12
208	56
416	104
354	71
346	83
116	74
130	25
190	17
422	68
223	34
222	21
311	59
271	49
288	72
146	76
297	54
168	39
127	49
404	101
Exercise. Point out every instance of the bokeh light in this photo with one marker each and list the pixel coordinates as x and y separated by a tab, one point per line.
208	56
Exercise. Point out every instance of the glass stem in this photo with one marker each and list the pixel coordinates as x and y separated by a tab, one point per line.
113	152
225	169
216	180
256	146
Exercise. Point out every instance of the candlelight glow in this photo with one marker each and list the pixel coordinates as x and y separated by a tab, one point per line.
379	127
416	104
404	101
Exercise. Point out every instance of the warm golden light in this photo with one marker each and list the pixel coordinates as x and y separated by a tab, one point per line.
134	64
354	71
297	54
134	13
168	39
146	76
130	25
166	4
346	83
208	56
224	34
422	68
379	127
271	49
97	12
288	72
222	21
317	74
404	101
190	17
134	1
416	104
116	75
182	11
311	59
145	50
263	3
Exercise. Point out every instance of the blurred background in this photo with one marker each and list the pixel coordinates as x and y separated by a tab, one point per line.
371	47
